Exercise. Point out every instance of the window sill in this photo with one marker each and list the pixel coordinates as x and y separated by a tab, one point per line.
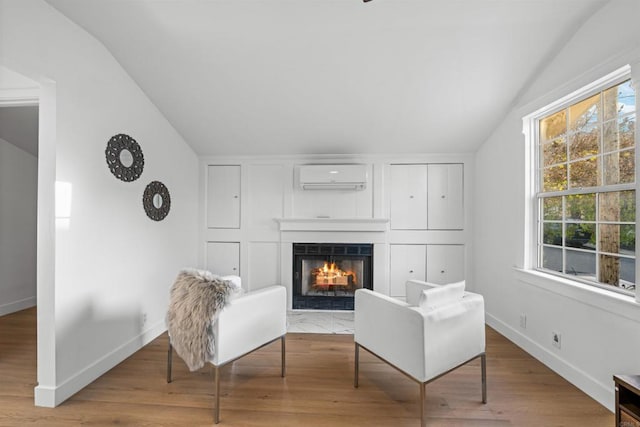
612	302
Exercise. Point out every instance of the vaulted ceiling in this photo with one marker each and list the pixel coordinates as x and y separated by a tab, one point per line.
241	77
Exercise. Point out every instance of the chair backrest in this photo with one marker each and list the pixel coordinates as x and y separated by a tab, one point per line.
250	321
414	288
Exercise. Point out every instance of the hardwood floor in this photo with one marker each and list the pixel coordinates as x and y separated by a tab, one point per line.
317	391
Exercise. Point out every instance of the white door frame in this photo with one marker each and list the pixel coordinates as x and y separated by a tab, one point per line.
44	97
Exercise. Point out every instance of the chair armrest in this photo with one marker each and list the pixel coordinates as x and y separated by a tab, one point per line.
453	334
414	288
250	321
391	329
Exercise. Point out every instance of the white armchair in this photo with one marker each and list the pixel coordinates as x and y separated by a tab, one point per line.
438	329
247	323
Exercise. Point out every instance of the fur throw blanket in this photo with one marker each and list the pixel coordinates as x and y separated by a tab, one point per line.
195	301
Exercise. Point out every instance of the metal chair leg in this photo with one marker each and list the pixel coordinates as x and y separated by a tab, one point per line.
169	362
216	411
483	365
357	365
423	405
283	356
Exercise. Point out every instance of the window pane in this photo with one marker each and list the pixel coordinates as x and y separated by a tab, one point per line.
555	178
617	206
552	208
584	173
584	114
610	140
618	239
628	239
619	134
581	263
627	272
581	207
554	152
610	103
619	168
627	128
609	270
552	233
552	258
553	126
617	271
584	144
626	98
581	236
628	206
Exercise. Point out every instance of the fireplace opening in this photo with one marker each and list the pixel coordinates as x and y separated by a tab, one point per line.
327	275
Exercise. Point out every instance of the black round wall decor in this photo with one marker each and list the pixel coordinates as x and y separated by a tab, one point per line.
156	201
122	148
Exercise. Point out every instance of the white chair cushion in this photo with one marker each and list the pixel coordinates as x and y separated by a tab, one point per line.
441	295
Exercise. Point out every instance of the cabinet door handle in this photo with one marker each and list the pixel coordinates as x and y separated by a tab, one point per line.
234	269
441	271
443	197
235	197
410	271
411	197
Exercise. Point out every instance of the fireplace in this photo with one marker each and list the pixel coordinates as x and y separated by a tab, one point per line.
326	275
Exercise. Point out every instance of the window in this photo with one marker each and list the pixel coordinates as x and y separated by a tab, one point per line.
585	188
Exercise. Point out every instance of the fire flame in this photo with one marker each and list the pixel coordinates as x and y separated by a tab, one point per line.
331	274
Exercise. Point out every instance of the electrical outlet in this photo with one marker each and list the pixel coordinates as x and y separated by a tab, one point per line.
143	319
523	321
556	339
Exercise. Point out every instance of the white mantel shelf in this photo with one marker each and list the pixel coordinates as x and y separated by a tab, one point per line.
333	224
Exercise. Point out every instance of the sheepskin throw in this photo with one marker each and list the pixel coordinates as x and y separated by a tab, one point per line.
194	304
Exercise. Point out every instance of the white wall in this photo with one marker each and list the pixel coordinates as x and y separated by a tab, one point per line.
18	197
599	331
110	266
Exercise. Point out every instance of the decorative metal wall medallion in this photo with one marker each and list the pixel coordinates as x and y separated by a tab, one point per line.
156	201
124	157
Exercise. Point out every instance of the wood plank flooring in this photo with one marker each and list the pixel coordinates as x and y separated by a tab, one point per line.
317	391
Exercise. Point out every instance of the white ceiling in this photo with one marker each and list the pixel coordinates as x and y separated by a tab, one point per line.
240	77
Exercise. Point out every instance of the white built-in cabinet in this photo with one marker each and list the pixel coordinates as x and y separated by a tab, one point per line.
434	263
223	258
223	212
445	197
408	197
423	201
445	263
426	197
242	235
406	262
223	196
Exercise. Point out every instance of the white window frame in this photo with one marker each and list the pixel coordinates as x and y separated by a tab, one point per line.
530	130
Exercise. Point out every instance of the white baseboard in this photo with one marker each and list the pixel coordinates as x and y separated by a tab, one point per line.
53	396
12	307
602	393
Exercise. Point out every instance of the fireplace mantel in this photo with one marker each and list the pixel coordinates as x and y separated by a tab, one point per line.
333	224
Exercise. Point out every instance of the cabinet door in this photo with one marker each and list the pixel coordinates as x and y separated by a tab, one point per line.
445	263
223	196
223	258
445	197
408	197
407	262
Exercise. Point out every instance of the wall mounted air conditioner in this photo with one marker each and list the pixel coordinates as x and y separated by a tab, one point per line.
333	177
